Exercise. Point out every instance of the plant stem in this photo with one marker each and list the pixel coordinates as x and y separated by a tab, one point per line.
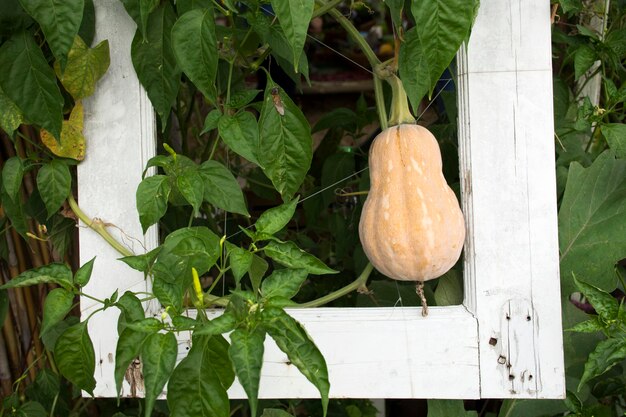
210	299
325	8
82	294
230	78
98	226
369	54
400	112
357	284
356	36
380	103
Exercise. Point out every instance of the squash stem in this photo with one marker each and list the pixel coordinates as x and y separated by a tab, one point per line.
369	54
99	227
358	285
419	289
400	111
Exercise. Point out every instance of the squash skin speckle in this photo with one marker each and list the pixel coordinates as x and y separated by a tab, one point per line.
411	226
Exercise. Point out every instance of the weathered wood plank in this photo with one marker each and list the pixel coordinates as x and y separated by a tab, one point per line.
378	353
507	166
120	134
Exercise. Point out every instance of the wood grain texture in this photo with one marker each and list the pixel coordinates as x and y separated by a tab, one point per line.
120	135
377	353
508	180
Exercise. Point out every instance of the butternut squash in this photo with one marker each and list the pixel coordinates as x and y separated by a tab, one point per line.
411	227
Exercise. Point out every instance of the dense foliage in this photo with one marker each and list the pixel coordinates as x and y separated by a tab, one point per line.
239	156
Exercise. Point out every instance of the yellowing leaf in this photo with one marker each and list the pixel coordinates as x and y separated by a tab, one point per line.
85	66
11	116
72	143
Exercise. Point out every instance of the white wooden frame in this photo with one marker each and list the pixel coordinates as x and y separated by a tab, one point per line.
504	341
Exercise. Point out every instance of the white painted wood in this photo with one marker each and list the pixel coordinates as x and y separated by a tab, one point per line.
377	353
511	256
120	134
509	198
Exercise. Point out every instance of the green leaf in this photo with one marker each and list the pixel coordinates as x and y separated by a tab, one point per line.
195	389
27	79
61	233
14	211
284	283
190	185
195	48
239	99
292	339
130	308
87	28
274	219
12	175
158	354
584	57
241	133
128	348
145	325
50	338
428	48
219	325
59	21
211	121
446	408
290	255
218	355
85	66
83	274
58	303
72	142
285	144
588	326
142	262
54	182
11	116
449	289
162	161
615	134
607	354
168	294
199	245
531	408
294	17
152	195
183	323
31	409
257	270
145	8
222	189
154	61
279	45
275	412
183	6
56	273
604	303
75	357
246	353
395	11
240	262
45	388
592	222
